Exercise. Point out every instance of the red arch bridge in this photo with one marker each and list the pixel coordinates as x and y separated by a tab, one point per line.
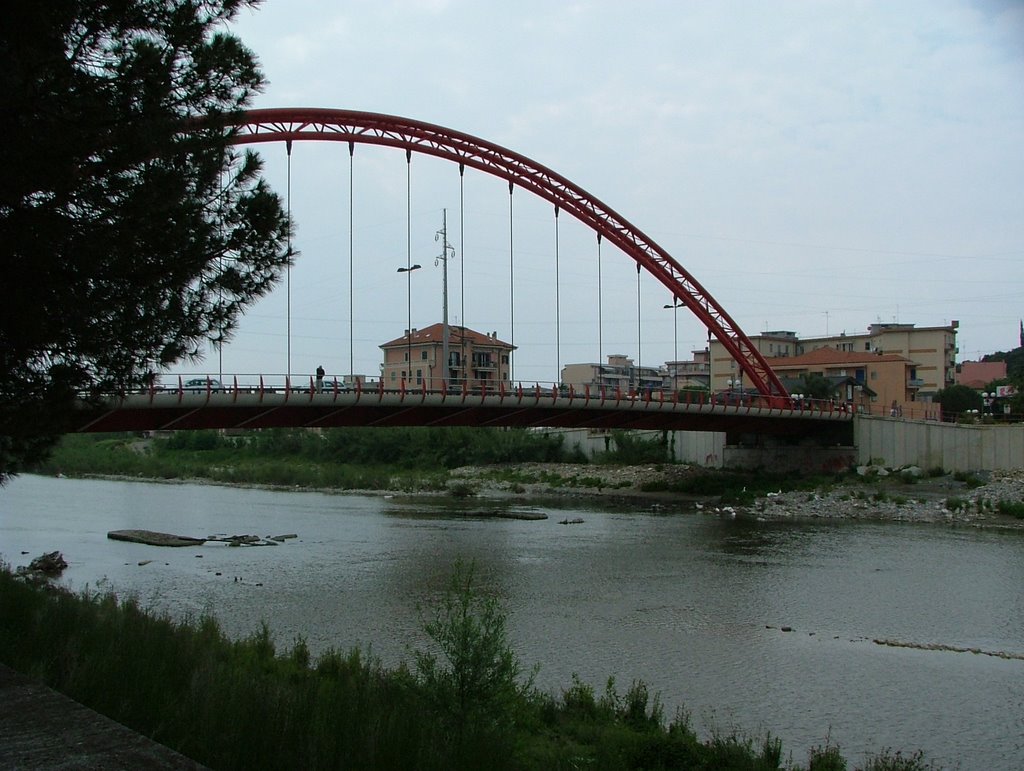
354	127
301	405
770	411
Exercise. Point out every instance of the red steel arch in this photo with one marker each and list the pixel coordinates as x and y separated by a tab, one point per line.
310	123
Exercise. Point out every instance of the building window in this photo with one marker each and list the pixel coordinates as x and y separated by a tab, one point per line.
405	356
419	376
867	346
504	358
423	354
393	376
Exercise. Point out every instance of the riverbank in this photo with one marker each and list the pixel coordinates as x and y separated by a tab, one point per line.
876	494
984	500
522	465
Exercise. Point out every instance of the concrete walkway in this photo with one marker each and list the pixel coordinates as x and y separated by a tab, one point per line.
43	729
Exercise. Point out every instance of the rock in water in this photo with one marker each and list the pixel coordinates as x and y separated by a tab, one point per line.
153	538
51	564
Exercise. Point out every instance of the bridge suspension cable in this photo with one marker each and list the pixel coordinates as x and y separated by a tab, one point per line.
558	312
511	292
600	298
351	263
287	124
639	337
462	275
288	276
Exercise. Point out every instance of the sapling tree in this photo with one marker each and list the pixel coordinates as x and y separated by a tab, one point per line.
471	676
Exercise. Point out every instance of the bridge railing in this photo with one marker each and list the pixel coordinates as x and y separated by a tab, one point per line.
310	388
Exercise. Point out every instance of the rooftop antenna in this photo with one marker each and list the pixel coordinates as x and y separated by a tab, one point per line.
447	252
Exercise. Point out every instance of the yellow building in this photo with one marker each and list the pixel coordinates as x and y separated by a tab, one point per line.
620	373
474	358
877	382
931	349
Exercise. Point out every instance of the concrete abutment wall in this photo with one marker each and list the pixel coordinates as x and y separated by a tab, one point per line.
950	446
891	442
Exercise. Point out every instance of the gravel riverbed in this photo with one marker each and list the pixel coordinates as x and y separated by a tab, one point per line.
881	494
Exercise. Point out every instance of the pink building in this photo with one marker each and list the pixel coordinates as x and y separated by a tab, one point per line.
978	374
474	358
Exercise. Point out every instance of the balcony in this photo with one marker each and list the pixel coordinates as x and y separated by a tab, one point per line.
915	382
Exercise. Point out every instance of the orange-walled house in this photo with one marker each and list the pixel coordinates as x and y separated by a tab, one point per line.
879	380
474	358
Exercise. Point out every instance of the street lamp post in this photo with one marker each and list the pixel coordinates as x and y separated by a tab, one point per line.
407	270
733	384
675	343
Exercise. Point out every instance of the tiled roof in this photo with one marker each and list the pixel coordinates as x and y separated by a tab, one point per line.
831	357
435	334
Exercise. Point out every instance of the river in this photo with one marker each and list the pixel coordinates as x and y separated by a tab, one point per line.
693	604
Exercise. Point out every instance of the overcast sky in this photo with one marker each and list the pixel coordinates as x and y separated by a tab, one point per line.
817	166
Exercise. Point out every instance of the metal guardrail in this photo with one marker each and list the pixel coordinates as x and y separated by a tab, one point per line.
264	385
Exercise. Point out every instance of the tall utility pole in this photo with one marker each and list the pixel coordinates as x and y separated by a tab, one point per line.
447	251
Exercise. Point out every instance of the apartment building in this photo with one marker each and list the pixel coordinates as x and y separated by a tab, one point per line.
863	378
619	373
692	373
474	359
932	350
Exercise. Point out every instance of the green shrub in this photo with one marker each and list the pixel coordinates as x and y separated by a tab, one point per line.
632	450
827	758
1011	508
461	490
471	680
970	480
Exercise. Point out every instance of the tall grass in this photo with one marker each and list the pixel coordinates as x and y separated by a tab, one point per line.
242	705
343	458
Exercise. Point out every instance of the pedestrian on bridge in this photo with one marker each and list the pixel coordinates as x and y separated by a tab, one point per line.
319	379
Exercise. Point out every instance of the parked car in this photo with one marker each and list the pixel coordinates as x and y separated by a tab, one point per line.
201	385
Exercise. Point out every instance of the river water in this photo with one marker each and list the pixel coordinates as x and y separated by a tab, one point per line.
693	604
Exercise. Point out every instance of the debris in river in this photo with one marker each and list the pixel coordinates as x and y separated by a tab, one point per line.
153	538
51	564
46	566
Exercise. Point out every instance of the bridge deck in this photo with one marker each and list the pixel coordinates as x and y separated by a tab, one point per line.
239	408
